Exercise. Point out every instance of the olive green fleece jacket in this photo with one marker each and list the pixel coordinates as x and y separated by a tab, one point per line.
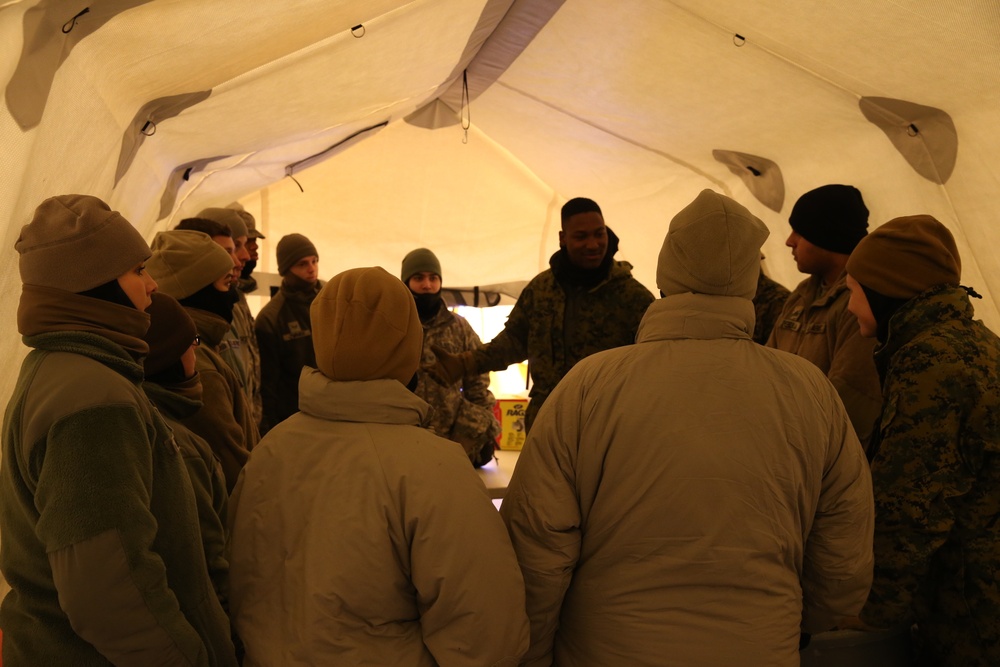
207	479
100	531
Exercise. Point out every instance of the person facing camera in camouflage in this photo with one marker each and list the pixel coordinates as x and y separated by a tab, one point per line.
586	302
463	410
936	446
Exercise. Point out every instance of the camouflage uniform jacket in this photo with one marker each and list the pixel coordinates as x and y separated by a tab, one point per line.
936	479
767	304
462	412
243	329
284	337
554	327
816	325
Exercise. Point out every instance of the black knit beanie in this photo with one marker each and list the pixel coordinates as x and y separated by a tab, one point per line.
832	217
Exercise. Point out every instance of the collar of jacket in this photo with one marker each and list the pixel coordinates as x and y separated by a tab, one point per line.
698	316
569	275
91	345
816	297
368	401
294	288
442	317
176	401
928	309
211	327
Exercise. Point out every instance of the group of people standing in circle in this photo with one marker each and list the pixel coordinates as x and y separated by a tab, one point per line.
184	483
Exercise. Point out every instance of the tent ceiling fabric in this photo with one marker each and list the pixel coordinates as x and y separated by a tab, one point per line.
623	101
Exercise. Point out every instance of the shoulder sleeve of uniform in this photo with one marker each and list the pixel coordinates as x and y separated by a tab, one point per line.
917	469
96	525
837	568
511	344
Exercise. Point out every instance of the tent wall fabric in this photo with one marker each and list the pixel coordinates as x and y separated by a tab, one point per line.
164	107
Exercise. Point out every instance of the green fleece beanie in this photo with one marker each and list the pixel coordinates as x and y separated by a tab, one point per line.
419	261
906	256
227	217
185	261
76	243
291	249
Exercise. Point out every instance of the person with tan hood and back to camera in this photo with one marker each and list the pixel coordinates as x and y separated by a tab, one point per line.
358	536
695	498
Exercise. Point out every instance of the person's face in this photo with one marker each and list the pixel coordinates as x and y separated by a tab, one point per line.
224	282
242	252
861	309
307	269
425	282
138	285
188	358
252	248
808	258
585	238
239	256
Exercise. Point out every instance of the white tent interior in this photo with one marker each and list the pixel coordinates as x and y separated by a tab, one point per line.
463	125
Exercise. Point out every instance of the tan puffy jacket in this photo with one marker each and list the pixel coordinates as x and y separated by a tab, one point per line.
693	499
358	537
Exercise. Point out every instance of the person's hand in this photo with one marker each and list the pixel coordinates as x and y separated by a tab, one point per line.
449	368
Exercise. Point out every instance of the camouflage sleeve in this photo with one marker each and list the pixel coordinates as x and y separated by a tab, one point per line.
916	472
852	372
637	300
510	346
475	388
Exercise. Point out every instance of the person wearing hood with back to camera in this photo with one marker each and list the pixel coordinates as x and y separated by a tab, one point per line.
936	446
695	498
358	536
101	545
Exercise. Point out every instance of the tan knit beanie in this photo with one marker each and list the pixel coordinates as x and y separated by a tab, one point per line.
76	243
185	261
365	327
905	257
419	261
291	249
712	247
227	217
171	332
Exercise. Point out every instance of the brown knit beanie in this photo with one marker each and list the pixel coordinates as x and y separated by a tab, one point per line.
185	261
905	257
712	247
365	327
418	261
832	217
75	243
291	249
227	217
171	332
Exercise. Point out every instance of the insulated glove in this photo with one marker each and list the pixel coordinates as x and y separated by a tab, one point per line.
450	368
